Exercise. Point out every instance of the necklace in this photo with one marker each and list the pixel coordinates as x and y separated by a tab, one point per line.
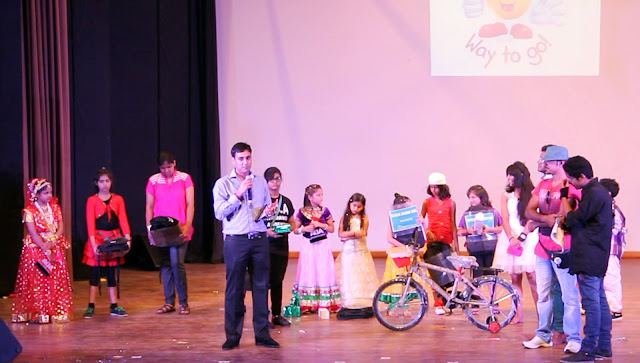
47	213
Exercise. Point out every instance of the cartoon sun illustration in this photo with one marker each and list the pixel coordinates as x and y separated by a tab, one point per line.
507	10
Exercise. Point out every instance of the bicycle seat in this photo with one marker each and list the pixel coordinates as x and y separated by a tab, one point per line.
464	261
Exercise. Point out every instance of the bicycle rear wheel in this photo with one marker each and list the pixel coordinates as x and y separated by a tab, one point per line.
396	310
500	307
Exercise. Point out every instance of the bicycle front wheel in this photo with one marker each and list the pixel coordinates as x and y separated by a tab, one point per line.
398	306
499	307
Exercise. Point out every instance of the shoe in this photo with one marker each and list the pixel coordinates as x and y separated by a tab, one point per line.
579	357
602	354
616	316
559	338
279	320
536	342
167	308
185	310
119	311
88	313
440	310
572	347
269	343
230	344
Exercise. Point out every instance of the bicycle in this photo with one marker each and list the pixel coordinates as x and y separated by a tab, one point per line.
489	302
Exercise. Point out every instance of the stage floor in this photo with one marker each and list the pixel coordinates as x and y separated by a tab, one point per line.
144	336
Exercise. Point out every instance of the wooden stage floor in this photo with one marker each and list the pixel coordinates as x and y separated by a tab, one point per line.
144	336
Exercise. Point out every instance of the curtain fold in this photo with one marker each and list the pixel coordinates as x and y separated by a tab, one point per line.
46	118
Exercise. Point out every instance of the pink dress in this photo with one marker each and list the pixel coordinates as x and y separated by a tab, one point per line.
316	278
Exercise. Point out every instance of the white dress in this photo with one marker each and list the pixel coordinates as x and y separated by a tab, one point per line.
356	272
509	263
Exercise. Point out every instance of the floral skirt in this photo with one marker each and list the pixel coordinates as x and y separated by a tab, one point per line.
41	298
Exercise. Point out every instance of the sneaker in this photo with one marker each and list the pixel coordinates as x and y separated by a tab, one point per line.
440	310
536	342
581	356
572	347
616	316
601	354
88	313
118	311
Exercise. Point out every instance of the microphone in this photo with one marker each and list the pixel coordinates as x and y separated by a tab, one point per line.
249	191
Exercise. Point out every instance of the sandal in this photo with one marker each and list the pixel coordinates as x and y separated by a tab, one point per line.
166	309
184	309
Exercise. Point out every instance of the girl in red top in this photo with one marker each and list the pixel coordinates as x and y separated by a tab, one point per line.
440	212
106	218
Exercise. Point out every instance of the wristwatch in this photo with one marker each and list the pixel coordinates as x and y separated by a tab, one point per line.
522	237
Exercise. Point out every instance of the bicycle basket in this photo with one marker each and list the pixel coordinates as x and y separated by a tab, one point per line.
400	256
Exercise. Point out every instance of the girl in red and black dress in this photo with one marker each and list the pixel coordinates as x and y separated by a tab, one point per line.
106	218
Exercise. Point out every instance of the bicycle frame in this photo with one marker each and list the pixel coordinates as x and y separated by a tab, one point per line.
459	277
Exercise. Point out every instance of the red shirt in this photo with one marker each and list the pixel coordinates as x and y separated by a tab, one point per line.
439	217
96	207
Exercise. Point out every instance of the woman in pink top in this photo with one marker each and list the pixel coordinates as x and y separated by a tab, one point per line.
170	193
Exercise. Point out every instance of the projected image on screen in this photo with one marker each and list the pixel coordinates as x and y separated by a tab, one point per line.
515	37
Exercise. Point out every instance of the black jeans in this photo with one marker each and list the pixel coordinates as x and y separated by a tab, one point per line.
279	255
239	252
484	259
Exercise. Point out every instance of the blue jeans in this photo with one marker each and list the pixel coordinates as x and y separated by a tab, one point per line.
545	269
597	327
558	307
174	275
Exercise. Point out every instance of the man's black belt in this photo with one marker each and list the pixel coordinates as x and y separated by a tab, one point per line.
255	235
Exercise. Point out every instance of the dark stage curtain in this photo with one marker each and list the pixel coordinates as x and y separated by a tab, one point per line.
144	80
34	103
45	100
11	164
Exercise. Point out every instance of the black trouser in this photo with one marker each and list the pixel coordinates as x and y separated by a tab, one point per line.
484	259
279	253
239	252
109	271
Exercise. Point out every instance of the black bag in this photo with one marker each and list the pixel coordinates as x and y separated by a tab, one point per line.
348	314
163	222
114	245
436	254
561	258
165	232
